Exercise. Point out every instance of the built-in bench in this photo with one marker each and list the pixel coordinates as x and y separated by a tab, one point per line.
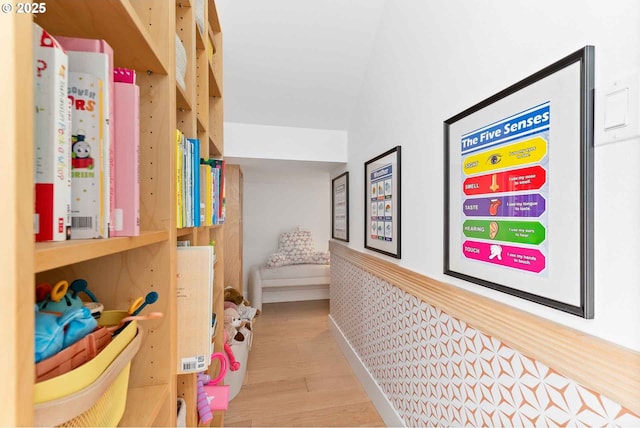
288	283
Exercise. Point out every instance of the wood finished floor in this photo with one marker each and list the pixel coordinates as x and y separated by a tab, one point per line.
297	375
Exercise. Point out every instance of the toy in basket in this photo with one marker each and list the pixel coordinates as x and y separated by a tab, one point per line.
93	394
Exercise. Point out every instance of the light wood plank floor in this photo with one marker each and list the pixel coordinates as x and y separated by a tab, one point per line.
297	375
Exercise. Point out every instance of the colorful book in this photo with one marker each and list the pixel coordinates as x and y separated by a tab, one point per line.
52	139
179	179
87	180
126	220
189	184
95	56
207	185
195	184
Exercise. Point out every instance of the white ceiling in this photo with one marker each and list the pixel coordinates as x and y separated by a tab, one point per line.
297	63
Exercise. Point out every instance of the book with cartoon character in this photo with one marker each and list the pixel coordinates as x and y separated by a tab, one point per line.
87	177
95	56
52	139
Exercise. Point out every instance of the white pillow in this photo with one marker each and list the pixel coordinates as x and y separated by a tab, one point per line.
296	247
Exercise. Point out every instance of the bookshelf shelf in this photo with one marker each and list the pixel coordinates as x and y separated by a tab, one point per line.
132	44
149	397
214	88
182	100
202	124
200	42
51	255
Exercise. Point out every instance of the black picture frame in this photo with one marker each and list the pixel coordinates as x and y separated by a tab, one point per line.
532	237
382	233
340	207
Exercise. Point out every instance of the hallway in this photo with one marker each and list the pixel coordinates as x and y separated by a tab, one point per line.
296	374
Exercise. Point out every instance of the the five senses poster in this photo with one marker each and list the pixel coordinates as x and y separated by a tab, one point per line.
505	191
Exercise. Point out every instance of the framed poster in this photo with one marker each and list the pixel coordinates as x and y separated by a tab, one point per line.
340	207
519	188
382	203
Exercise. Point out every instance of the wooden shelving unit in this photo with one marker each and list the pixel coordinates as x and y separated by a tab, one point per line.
118	270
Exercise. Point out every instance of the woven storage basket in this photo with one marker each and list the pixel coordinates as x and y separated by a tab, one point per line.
95	393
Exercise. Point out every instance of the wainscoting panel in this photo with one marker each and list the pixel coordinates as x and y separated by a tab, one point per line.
437	370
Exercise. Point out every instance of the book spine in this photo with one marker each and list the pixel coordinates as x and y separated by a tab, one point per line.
126	220
87	180
195	174
179	179
52	140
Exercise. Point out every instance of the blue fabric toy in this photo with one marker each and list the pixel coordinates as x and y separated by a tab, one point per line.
54	333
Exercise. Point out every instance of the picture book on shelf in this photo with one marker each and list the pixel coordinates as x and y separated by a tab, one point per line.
95	56
126	220
87	180
194	270
52	139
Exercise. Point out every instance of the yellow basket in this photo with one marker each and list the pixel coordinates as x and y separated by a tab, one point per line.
95	393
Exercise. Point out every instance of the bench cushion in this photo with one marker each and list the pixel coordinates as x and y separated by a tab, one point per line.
295	271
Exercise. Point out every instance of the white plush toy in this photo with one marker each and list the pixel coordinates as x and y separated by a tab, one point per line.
232	324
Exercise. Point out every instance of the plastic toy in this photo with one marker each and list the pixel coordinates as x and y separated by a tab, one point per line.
233	364
62	296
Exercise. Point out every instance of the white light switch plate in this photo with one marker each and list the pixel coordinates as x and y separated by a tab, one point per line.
618	111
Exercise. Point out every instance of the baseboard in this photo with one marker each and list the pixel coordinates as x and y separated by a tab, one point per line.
382	404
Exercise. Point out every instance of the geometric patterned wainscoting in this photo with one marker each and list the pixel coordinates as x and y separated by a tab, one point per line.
437	370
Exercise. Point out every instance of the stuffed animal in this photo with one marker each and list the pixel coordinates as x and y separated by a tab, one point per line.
233	295
232	324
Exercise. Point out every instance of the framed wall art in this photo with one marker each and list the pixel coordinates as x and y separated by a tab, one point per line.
518	208
340	207
382	203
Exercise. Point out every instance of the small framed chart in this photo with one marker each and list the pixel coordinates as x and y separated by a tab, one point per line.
382	203
518	208
340	207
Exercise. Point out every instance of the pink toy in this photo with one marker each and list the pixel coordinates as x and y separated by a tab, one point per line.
233	364
204	411
205	402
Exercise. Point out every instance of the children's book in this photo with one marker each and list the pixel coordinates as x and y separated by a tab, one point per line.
126	221
194	268
195	183
206	184
52	139
87	133
179	178
95	56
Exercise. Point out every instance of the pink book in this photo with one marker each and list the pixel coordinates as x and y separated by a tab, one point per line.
94	64
127	154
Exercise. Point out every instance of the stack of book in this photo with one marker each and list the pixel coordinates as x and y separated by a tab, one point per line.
86	141
199	185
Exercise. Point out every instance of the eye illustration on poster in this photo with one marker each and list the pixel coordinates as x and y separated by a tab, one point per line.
382	203
340	207
519	188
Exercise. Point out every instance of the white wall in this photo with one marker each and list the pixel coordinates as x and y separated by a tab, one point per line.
245	140
433	60
276	201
